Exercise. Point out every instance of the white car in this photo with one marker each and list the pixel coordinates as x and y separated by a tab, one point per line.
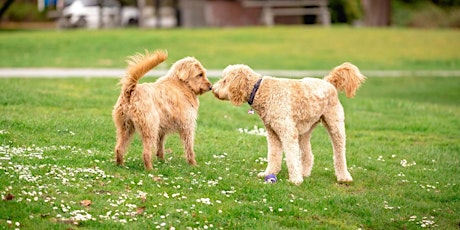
86	13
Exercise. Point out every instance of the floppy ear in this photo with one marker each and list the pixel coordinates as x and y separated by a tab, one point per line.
186	68
237	90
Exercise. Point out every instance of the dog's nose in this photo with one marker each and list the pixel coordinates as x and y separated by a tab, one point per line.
210	87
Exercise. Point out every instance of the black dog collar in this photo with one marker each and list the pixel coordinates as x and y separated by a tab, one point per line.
254	91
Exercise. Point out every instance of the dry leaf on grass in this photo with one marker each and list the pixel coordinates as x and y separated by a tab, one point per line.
8	196
85	203
140	210
157	179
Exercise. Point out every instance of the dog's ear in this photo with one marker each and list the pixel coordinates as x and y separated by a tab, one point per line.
237	90
186	70
188	67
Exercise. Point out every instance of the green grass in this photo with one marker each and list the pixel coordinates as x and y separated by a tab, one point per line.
57	136
261	48
57	139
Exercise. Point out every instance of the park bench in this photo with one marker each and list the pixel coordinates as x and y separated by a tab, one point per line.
273	8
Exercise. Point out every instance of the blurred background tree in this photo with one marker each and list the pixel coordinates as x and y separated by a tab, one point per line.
401	13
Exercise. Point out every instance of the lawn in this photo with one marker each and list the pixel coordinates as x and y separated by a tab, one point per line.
297	48
57	169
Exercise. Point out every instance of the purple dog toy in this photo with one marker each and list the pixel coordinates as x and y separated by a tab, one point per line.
271	178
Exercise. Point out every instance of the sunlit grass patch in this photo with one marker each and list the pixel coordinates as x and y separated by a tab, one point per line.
57	167
281	47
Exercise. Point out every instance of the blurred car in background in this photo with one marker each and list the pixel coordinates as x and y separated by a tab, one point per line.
86	14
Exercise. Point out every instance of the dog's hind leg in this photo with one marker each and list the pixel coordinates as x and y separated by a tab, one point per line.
125	131
334	121
187	137
149	143
148	127
275	154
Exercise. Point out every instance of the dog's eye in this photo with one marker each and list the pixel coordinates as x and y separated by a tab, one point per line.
200	75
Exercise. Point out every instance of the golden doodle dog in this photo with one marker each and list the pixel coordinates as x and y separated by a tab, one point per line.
157	109
290	110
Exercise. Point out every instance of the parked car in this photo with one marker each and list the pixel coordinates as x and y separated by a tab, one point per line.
86	14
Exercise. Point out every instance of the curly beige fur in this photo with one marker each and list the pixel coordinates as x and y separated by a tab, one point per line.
157	109
291	109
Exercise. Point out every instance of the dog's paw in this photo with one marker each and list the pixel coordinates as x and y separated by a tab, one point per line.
192	162
306	173
148	168
296	181
345	178
262	174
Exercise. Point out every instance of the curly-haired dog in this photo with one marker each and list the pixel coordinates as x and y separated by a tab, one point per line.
156	109
290	110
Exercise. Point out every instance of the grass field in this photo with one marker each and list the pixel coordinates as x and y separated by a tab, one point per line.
56	151
263	48
57	137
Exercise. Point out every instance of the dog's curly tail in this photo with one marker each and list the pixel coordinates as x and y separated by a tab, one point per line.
346	77
138	66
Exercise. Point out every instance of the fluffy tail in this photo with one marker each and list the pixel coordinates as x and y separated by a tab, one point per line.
346	77
138	66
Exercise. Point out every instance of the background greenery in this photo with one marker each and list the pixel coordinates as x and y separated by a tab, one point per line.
56	136
303	48
405	13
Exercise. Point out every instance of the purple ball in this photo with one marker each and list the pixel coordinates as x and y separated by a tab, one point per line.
271	178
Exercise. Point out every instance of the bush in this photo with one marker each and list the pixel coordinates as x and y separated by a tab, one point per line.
345	11
24	11
425	14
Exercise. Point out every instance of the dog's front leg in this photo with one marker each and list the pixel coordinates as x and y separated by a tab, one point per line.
293	159
274	155
160	146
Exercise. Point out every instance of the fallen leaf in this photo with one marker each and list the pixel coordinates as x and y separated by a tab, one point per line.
85	203
143	197
8	196
140	210
157	179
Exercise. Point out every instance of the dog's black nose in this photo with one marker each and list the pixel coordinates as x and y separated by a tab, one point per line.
210	87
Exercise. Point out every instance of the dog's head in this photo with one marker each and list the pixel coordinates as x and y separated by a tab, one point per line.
234	85
190	71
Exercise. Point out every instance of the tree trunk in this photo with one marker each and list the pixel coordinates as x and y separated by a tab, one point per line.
157	13
141	6
101	22
5	6
377	12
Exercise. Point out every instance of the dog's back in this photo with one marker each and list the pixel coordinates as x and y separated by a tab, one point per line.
172	105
